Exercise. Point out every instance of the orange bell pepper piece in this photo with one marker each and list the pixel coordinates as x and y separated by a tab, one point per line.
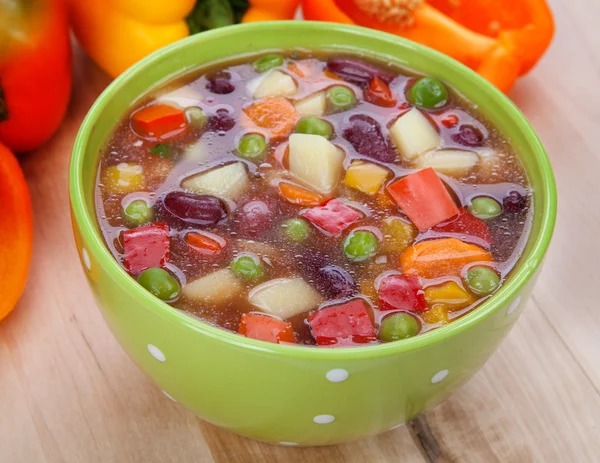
16	231
158	120
297	195
270	10
500	39
441	258
275	113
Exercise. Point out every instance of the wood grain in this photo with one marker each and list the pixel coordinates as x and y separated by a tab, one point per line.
68	393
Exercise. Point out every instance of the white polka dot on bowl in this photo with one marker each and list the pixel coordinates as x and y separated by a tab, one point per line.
324	419
439	376
337	375
156	353
86	259
514	306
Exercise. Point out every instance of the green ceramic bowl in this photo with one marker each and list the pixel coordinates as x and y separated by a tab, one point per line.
285	394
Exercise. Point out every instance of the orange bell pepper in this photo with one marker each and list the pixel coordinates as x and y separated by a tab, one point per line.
35	71
15	231
500	39
270	10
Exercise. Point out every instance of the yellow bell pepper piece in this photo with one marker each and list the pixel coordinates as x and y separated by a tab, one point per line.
365	176
451	296
397	234
123	178
435	316
117	33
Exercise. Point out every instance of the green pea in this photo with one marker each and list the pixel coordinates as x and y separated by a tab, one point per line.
312	125
428	93
138	212
252	146
196	117
482	280
160	283
248	268
296	229
267	62
360	245
340	98
398	326
485	207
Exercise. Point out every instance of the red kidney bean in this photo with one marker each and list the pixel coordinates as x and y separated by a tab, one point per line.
364	134
181	206
220	83
357	72
469	135
334	282
255	218
221	122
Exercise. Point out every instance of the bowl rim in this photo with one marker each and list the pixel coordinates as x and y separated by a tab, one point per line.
95	244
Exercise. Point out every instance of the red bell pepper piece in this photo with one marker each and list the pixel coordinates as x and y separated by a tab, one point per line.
466	227
266	328
424	198
343	324
146	247
158	121
399	292
204	243
333	217
379	93
35	71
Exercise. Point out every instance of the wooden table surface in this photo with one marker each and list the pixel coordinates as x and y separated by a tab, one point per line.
68	393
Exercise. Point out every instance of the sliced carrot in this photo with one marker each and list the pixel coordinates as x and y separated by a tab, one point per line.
293	67
441	258
276	114
205	243
298	195
16	231
158	121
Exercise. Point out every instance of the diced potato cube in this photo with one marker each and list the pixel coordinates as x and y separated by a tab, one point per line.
365	176
197	152
397	234
183	97
274	83
413	134
215	288
316	161
312	105
285	297
449	161
123	178
450	296
228	181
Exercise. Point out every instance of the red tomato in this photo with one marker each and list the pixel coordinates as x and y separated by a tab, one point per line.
466	227
423	198
333	217
146	247
343	324
379	93
265	328
399	292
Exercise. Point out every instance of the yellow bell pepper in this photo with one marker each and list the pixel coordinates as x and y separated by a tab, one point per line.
451	296
365	176
435	316
117	33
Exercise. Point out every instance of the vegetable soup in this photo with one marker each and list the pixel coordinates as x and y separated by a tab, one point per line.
313	198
